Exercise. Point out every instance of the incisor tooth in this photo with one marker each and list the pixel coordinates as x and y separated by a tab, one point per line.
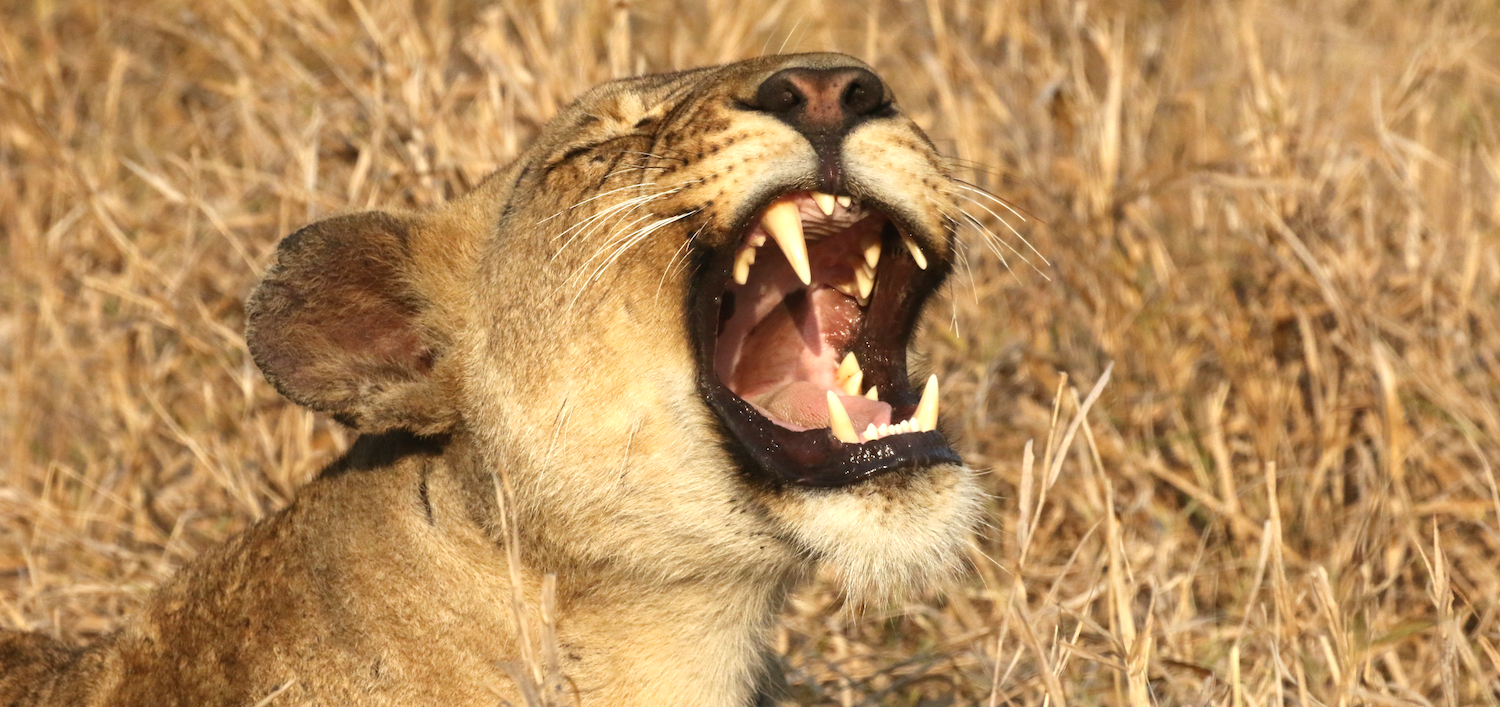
916	252
873	393
871	433
825	202
784	224
742	263
838	420
870	243
926	416
850	288
846	201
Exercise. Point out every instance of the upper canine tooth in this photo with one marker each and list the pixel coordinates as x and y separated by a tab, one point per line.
870	243
742	263
846	201
784	223
865	278
825	202
838	420
925	418
916	252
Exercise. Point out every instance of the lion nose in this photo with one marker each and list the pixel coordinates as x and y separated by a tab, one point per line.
823	105
821	100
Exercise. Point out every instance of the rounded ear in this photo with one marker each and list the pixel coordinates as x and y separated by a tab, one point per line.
337	325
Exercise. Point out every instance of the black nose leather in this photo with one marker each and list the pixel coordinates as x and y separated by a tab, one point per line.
823	105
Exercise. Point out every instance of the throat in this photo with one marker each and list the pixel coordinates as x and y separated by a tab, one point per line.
680	647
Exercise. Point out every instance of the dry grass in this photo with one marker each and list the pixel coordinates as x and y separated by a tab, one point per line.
1279	220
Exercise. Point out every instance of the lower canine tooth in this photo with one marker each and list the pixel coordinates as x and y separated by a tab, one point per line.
825	202
784	222
873	393
925	419
838	420
916	252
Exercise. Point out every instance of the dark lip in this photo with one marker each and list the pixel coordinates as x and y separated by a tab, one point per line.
776	456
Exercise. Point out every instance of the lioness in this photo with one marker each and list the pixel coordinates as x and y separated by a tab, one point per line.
661	357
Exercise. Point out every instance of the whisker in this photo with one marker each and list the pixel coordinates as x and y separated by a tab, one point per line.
600	195
653	155
621	209
1012	229
671	269
624	245
989	195
974	166
990	241
1007	206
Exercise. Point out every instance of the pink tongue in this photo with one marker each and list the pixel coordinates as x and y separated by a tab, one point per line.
806	405
789	361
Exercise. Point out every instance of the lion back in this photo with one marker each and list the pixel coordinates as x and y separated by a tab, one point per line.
30	664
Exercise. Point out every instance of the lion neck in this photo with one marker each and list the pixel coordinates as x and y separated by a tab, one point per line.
624	634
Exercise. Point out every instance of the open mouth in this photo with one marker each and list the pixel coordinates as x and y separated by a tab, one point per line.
802	331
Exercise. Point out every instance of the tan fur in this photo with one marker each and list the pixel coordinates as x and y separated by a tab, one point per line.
508	331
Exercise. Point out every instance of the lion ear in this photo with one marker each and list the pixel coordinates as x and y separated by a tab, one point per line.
338	324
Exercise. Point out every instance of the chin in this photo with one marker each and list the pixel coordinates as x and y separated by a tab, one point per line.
888	538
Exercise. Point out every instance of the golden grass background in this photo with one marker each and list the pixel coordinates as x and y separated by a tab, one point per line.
1279	220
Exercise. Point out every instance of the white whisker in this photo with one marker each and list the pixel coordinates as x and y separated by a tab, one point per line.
624	245
1006	206
671	268
1002	241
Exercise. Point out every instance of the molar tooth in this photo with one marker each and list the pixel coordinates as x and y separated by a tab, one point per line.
742	263
848	287
926	416
784	224
852	385
870	244
839	422
825	202
916	251
846	201
847	366
873	393
849	376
